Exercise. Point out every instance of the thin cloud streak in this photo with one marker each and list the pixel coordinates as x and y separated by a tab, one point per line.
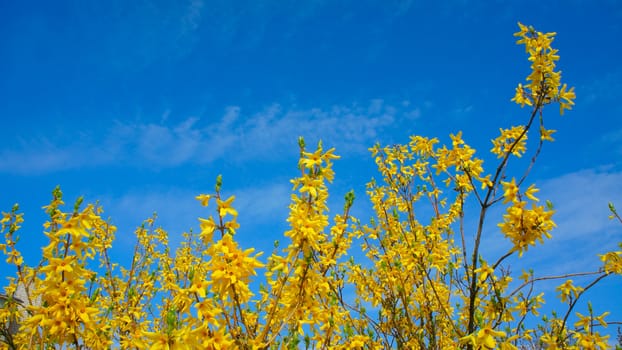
267	135
583	229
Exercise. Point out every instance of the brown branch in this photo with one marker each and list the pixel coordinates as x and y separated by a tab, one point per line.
474	288
574	302
547	278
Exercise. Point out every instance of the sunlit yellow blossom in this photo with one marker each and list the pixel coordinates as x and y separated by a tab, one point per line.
73	227
568	290
207	228
59	265
521	97
224	207
566	97
530	191
199	286
483	339
204	199
510	193
484	271
545	134
311	160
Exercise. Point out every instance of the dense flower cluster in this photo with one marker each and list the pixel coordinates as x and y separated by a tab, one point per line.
419	282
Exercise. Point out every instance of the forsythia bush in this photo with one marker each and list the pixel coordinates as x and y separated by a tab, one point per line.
421	282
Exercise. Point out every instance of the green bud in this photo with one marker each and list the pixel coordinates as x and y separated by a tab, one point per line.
95	295
76	206
218	182
589	307
57	193
349	199
171	319
549	205
301	142
612	208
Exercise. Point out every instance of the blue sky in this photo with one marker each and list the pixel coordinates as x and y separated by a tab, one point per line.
140	104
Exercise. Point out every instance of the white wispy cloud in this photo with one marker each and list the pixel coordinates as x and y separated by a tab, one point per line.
583	229
191	18
583	232
269	134
263	204
157	144
44	155
581	198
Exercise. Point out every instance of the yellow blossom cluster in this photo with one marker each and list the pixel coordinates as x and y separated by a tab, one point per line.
543	82
522	225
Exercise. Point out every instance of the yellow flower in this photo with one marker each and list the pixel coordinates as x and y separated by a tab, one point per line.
484	271
510	191
521	97
224	207
59	265
199	286
204	199
73	227
486	337
207	229
311	160
566	98
545	134
530	191
568	290
158	341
